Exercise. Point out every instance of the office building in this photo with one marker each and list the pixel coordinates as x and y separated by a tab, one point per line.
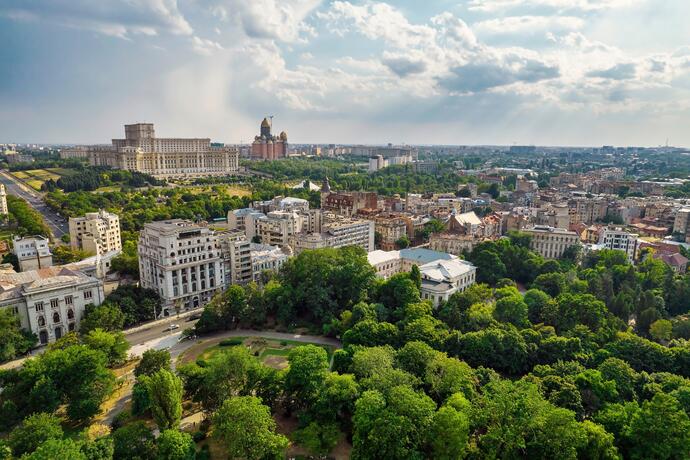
96	232
182	262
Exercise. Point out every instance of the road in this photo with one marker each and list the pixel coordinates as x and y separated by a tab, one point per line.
58	224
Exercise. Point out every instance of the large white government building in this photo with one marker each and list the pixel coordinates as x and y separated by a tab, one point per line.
142	151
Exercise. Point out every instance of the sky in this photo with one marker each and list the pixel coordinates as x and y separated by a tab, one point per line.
533	72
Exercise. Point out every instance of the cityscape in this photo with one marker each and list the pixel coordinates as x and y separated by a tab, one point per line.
319	273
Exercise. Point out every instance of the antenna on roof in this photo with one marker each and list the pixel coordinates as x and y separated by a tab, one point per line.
271	117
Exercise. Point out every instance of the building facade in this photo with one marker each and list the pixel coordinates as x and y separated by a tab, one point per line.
32	252
551	242
182	261
266	146
618	239
142	151
96	232
50	302
4	210
337	233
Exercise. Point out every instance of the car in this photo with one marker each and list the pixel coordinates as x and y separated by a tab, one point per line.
194	317
172	327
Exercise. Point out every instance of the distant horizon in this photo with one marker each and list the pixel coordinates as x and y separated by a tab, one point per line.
442	72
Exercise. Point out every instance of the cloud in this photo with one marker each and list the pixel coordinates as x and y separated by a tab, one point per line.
119	18
205	47
528	25
478	77
492	6
403	65
282	20
624	71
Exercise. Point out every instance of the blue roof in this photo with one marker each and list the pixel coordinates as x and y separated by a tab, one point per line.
423	255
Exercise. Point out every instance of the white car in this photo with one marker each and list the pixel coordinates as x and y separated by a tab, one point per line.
172	327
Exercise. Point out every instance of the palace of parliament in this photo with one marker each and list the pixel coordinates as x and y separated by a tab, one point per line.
142	151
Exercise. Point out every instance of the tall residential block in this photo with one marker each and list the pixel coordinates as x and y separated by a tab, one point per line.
96	232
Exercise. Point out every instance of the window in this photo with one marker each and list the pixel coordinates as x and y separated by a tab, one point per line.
88	295
69	300
41	321
70	314
54	303
39	306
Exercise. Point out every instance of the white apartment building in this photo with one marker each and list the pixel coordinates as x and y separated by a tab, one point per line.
443	274
182	261
236	252
551	242
618	239
266	258
32	252
51	301
277	227
681	223
3	201
96	232
337	232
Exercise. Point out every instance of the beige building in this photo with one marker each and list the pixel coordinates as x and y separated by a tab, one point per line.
452	243
551	242
32	252
3	201
142	151
337	232
96	232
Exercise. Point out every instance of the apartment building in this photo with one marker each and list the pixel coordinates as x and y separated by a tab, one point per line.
51	301
620	240
390	229
96	232
266	258
32	252
236	252
337	232
3	201
182	261
551	242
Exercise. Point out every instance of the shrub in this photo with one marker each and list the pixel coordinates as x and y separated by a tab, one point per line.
230	342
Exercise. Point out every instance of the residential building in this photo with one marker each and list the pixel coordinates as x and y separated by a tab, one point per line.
143	152
620	240
32	252
551	242
51	301
681	224
266	146
452	243
3	201
236	252
182	261
96	232
337	232
390	229
266	258
346	203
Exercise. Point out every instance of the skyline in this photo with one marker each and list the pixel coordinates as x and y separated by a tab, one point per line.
473	72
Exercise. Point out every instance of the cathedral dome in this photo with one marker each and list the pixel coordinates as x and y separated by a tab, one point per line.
265	123
283	136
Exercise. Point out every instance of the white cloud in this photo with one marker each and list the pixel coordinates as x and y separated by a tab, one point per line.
204	46
282	20
119	18
490	6
528	25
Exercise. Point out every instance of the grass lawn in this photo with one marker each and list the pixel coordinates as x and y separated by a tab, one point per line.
109	188
36	177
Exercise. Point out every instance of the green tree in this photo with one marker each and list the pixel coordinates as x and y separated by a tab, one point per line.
152	361
402	242
512	309
165	391
134	441
416	276
247	430
318	438
57	449
14	341
306	373
112	344
661	330
34	431
446	376
176	445
106	316
660	430
448	434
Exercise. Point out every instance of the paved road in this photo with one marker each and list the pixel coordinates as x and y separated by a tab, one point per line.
58	224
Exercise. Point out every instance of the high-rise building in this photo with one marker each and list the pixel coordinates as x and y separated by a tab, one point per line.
182	262
32	252
266	146
96	232
142	151
618	239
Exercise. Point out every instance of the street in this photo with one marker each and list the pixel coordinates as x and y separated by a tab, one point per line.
58	225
